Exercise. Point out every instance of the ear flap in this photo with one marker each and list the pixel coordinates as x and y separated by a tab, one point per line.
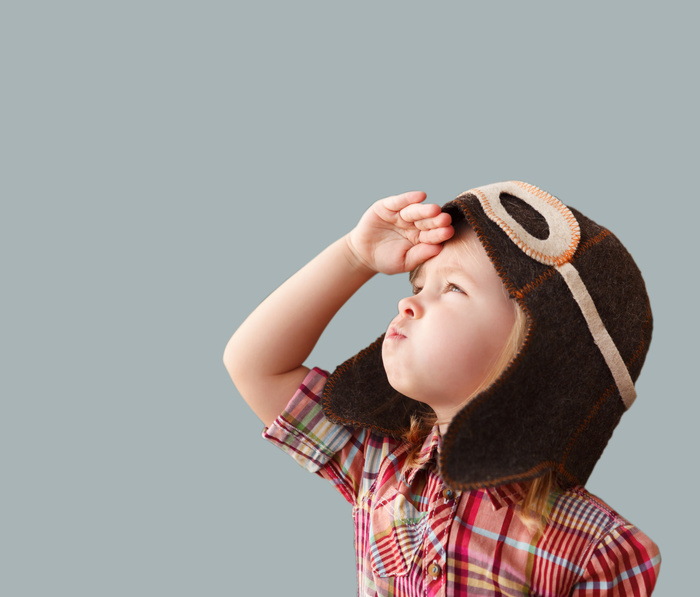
358	394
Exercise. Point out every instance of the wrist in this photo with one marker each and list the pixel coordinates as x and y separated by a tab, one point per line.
355	260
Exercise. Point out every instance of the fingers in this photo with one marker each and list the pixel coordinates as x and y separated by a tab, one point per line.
433	225
426	216
398	202
419	254
436	236
430	241
420	211
421	222
428	222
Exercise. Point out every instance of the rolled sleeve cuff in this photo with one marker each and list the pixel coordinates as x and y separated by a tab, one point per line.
303	431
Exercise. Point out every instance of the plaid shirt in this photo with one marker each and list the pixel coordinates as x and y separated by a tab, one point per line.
415	536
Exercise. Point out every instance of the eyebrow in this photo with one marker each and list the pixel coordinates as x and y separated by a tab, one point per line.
446	270
413	274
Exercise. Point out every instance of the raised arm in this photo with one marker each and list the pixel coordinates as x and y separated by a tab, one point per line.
265	356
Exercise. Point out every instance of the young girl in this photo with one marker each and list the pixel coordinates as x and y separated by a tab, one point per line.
464	435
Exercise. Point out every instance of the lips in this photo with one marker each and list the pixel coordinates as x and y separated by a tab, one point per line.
394	333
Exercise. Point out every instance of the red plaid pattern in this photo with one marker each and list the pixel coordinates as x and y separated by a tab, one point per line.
415	536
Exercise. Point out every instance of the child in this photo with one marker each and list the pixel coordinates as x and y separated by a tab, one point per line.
464	435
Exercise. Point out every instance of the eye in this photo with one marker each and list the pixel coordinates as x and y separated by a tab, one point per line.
449	287
416	289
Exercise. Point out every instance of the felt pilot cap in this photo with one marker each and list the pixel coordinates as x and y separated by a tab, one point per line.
556	404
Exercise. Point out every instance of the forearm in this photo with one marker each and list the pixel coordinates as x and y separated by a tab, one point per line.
265	356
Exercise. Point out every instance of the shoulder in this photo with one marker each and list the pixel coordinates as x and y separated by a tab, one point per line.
587	511
353	458
589	515
614	552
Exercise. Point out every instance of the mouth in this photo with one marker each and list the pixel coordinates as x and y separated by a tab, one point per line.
394	333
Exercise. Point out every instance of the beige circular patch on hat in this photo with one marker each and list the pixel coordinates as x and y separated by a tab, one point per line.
564	232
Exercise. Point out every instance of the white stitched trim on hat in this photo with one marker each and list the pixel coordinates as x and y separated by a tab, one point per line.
600	334
564	232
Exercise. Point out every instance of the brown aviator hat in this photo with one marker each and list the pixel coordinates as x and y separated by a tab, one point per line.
557	403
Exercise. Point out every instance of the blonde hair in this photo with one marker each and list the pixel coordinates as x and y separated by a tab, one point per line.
534	508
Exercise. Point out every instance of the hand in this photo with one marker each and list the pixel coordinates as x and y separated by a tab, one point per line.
398	233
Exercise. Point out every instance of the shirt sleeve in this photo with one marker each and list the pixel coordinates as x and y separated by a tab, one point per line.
625	562
347	457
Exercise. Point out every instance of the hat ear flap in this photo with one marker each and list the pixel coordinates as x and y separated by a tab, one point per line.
358	394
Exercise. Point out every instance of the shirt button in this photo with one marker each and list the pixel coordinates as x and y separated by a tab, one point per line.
434	570
448	494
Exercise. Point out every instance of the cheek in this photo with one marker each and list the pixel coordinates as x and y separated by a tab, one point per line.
501	329
497	316
480	341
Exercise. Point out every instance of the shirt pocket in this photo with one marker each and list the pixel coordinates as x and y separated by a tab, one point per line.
397	530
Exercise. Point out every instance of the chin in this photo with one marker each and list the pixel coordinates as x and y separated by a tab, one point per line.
397	385
407	391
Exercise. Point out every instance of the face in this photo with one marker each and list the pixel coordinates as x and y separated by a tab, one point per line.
450	332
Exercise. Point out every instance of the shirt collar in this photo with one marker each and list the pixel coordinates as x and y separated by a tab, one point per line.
431	445
428	453
506	495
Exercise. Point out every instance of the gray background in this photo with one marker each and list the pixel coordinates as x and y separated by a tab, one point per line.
165	165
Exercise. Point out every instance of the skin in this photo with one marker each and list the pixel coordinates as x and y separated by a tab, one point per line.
265	356
449	333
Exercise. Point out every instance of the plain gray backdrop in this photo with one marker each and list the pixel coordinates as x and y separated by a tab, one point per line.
165	165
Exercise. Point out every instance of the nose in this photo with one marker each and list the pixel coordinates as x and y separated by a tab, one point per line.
410	307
